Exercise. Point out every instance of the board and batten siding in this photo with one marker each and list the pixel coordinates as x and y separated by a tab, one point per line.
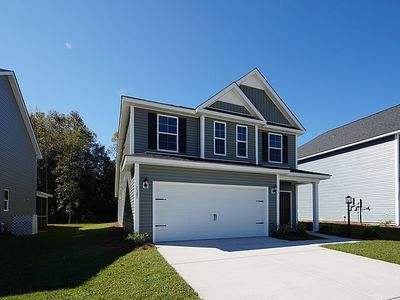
141	132
367	173
17	159
264	105
230	142
169	174
291	151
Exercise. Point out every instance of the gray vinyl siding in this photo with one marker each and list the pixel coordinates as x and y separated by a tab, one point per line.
265	105
141	133
17	158
367	173
230	142
291	151
230	107
156	173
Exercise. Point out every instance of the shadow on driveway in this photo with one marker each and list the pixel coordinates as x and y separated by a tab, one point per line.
255	243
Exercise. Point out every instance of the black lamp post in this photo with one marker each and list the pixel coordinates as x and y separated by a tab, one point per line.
349	201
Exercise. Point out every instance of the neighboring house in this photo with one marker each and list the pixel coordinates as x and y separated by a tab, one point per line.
213	171
19	152
363	159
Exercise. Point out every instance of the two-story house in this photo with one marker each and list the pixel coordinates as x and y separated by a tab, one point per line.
19	152
227	168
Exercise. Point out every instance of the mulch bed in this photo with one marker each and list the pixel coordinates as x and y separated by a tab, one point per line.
294	236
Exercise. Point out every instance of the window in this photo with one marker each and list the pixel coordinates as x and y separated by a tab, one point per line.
6	199
219	138
167	133
241	141
275	147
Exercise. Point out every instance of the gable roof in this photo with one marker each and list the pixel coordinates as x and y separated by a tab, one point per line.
373	126
242	98
22	108
257	80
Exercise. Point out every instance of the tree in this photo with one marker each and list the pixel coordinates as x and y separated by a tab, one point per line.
75	168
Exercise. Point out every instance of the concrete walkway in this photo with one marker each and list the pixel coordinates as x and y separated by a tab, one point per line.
267	268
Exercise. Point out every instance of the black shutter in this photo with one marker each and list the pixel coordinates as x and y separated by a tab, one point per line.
265	146
152	131
285	149
182	135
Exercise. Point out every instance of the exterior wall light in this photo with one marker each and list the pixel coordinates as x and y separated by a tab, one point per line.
273	190
146	183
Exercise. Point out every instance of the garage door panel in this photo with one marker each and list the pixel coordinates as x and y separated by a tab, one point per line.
188	211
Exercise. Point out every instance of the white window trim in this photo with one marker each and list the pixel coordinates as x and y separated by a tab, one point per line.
6	200
246	141
269	147
158	133
218	138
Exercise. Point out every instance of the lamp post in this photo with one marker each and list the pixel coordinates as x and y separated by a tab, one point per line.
348	202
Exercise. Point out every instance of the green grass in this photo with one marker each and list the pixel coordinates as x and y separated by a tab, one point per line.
379	249
85	261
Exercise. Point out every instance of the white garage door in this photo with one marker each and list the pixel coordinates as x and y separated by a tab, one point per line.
185	211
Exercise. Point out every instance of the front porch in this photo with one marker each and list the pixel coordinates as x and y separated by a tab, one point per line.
287	213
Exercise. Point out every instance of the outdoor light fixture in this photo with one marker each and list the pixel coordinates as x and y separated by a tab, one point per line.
349	201
146	183
273	190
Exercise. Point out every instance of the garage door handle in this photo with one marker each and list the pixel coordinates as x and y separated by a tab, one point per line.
259	223
161	199
215	217
259	200
161	225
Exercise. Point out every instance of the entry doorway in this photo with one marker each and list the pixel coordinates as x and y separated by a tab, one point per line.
285	208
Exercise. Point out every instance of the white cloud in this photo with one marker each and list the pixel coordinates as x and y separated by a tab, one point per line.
68	45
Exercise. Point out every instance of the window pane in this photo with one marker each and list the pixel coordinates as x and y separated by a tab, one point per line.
5	205
275	155
241	133
275	141
167	142
167	124
219	130
219	146
6	194
242	149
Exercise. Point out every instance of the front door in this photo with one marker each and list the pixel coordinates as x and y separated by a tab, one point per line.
285	207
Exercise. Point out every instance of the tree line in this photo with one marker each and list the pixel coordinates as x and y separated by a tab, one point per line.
76	169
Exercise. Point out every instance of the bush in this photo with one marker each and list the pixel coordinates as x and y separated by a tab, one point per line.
370	232
283	228
302	229
326	228
137	239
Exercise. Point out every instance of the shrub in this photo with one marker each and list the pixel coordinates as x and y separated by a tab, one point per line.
326	228
387	223
283	228
302	229
370	232
137	239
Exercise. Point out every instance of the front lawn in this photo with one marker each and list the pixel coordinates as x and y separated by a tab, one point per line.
379	249
85	262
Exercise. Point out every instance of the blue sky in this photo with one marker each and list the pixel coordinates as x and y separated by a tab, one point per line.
331	61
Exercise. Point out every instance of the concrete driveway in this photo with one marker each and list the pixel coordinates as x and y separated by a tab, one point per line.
267	268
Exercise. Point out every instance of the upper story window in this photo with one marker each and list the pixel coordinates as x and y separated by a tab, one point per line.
275	147
219	138
167	133
6	200
241	141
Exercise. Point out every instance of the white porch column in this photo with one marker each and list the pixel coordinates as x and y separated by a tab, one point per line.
202	136
136	199
278	198
256	142
315	206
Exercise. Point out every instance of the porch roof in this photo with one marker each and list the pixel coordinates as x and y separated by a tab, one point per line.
152	158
